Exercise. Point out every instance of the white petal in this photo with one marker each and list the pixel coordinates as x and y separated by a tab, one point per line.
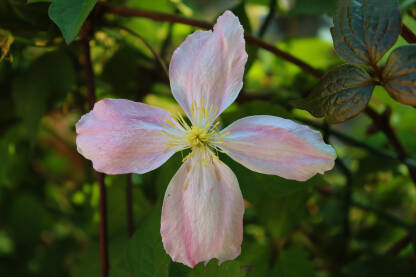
121	136
202	215
273	145
209	66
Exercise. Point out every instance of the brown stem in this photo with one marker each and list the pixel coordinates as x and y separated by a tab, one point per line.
407	34
129	205
89	74
399	246
158	16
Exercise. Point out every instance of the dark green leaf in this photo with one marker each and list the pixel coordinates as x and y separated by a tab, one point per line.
70	15
341	94
365	29
48	80
400	74
293	262
280	214
381	267
145	254
227	269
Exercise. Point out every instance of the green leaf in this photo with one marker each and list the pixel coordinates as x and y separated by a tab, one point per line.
399	74
145	254
293	262
227	269
281	213
47	81
381	266
340	95
365	29
70	15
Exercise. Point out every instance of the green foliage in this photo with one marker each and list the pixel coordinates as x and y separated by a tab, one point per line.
340	95
70	15
33	94
49	222
293	262
227	269
313	7
145	254
399	74
364	30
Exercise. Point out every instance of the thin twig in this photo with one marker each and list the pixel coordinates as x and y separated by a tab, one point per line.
89	74
147	44
129	205
407	34
399	246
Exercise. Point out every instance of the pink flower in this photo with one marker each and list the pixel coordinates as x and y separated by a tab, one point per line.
202	214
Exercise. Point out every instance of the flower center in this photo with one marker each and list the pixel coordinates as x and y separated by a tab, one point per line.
201	136
197	137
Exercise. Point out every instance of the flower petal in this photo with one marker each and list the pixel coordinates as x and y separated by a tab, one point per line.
209	66
202	214
121	136
273	145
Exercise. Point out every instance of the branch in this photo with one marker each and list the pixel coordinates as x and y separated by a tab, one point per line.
407	34
399	246
89	74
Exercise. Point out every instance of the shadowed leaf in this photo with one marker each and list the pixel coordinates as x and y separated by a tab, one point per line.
341	94
145	254
70	15
365	29
400	74
227	269
293	262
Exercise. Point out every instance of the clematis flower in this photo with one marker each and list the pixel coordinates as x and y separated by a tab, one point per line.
202	214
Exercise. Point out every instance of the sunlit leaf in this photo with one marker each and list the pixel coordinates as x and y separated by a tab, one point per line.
341	94
399	74
6	40
70	15
365	29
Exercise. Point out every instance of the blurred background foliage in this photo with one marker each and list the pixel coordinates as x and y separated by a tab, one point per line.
357	220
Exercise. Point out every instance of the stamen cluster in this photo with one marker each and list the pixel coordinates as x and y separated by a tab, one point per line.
201	134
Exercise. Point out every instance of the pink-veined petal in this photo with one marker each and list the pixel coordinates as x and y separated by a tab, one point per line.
273	145
121	136
209	66
202	214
